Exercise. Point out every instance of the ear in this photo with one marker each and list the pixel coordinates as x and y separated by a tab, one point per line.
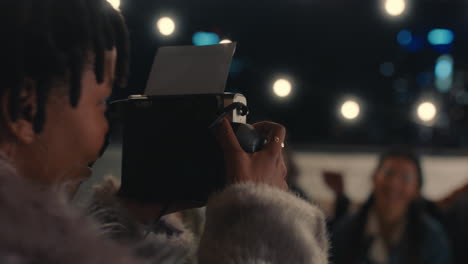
417	194
22	129
374	175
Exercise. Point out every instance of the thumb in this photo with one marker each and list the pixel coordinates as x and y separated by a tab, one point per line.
227	138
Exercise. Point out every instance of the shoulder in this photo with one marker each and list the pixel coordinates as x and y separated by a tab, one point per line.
249	222
436	245
434	233
433	228
38	224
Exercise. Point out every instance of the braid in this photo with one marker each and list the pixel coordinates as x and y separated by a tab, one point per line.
76	67
50	42
39	119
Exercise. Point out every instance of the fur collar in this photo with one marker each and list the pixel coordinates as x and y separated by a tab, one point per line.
38	226
169	234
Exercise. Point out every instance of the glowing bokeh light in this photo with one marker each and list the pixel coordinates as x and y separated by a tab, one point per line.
440	37
395	7
443	72
404	37
427	111
424	79
115	3
282	87
444	67
387	69
350	110
205	38
166	26
225	41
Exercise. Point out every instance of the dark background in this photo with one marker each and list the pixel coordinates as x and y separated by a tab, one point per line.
331	49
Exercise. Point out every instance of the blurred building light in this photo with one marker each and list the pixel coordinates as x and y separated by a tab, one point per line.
401	90
404	37
282	88
444	73
417	44
401	85
225	41
350	110
440	37
205	38
115	3
444	85
166	26
427	112
387	69
424	79
395	7
444	67
410	41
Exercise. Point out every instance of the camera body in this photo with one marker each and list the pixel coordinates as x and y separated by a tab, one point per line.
170	153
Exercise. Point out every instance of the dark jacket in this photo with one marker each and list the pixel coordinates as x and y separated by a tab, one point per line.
423	240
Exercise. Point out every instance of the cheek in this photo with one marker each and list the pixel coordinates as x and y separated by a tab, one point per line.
378	182
82	132
95	128
411	192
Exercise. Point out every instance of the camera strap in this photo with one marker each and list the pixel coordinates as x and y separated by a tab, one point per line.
241	108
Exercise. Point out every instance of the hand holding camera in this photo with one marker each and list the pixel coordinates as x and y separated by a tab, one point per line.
265	166
169	152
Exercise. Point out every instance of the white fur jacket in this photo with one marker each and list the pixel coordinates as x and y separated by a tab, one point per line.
39	226
245	223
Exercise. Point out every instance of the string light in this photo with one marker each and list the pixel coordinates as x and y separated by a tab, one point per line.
427	111
395	7
166	26
350	110
282	87
115	3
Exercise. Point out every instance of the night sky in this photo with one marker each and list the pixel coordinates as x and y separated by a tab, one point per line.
331	50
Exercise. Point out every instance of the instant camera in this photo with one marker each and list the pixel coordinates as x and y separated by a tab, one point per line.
170	153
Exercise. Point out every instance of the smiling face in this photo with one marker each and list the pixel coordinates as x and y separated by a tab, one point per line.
396	185
72	136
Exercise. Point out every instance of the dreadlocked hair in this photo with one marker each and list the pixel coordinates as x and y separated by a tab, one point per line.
51	41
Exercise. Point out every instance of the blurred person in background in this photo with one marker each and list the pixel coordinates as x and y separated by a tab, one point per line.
334	181
342	204
392	227
293	175
455	220
453	213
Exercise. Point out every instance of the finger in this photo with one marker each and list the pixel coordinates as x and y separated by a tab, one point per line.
227	138
283	167
283	181
276	136
285	173
264	128
269	129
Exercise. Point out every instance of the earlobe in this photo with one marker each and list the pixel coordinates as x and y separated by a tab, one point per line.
23	130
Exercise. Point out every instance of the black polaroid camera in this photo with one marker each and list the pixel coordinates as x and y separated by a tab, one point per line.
169	149
170	153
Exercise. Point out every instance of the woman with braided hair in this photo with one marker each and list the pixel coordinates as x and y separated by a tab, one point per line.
59	62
